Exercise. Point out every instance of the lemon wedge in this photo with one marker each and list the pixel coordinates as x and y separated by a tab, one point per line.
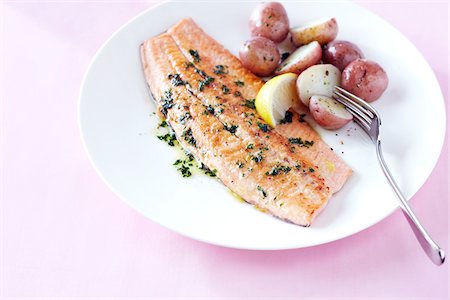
275	97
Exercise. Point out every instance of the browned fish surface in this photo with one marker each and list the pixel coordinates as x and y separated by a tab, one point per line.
206	103
188	35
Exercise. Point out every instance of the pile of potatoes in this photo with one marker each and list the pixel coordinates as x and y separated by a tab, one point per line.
320	61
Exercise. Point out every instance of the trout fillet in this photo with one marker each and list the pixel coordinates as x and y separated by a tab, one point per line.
204	93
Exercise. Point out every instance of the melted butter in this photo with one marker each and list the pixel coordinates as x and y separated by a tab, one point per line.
240	199
263	210
236	196
330	166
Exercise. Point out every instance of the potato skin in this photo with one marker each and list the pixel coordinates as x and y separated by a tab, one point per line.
269	20
365	79
328	113
260	55
341	53
323	32
301	59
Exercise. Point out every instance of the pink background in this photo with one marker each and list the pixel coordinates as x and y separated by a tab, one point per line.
64	234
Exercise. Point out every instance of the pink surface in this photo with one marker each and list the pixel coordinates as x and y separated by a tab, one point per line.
64	234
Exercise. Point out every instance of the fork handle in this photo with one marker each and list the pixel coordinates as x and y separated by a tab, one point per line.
434	252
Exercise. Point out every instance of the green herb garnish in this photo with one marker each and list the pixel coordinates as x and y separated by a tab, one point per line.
263	192
287	118
166	102
232	129
220	69
195	55
176	80
225	89
250	103
300	142
264	127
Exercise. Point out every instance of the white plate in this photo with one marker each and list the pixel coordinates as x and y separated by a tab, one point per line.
119	131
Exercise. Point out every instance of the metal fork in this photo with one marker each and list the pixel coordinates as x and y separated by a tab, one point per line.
368	118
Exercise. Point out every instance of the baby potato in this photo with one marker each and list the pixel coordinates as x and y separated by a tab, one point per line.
322	31
341	53
301	59
317	80
365	79
329	113
260	55
269	20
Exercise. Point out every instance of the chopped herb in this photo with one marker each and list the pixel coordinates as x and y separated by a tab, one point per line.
308	144
258	158
277	169
185	171
195	55
208	171
200	72
188	65
250	103
302	120
167	102
208	109
185	117
225	89
188	137
263	127
219	111
263	192
170	138
163	124
220	69
292	149
176	80
237	94
287	118
207	81
250	146
300	142
284	55
232	129
239	83
311	170
240	164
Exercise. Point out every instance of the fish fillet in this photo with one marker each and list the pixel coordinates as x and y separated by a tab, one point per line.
205	107
188	35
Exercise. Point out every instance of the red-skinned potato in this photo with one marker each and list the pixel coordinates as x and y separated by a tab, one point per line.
365	79
321	31
341	53
328	113
260	55
317	80
269	20
301	59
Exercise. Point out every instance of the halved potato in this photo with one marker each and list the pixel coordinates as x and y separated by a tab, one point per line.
318	80
323	31
329	113
301	59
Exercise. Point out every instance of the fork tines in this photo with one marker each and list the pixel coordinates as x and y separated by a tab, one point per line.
362	112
